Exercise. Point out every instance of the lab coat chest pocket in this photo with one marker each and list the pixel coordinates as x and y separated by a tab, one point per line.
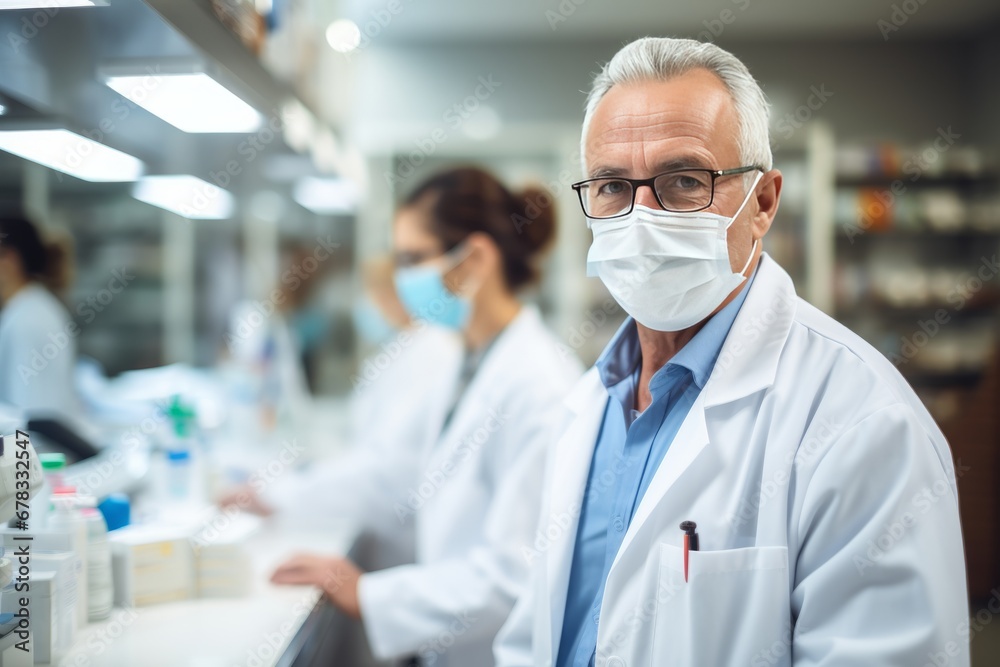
732	610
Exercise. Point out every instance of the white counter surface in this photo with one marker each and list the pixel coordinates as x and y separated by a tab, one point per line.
250	631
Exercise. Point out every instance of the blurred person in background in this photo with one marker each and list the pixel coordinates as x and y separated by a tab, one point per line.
375	473
479	428
37	335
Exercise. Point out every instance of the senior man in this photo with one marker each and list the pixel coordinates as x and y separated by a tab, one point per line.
817	496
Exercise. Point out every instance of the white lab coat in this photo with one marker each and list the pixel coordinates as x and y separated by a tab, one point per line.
826	505
475	501
38	354
389	430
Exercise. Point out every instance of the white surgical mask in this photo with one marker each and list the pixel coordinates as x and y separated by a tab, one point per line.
669	271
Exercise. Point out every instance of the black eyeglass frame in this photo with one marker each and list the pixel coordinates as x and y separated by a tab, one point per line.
636	183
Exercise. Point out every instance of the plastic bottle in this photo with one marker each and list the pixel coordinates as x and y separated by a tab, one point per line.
184	475
179	475
67	518
53	465
100	591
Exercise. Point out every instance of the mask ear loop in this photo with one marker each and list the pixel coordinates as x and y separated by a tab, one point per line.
464	252
753	248
746	199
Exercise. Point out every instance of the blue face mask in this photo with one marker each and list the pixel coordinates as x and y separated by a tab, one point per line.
422	291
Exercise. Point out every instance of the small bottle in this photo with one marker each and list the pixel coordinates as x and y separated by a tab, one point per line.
179	475
100	591
67	518
53	465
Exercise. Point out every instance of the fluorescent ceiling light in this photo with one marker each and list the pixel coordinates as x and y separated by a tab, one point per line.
72	154
49	4
326	196
186	196
194	103
3	109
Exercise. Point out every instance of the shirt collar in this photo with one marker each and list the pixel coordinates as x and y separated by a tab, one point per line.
621	357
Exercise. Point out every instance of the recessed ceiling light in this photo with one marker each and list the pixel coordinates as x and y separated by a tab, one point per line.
49	4
72	154
326	196
192	102
186	196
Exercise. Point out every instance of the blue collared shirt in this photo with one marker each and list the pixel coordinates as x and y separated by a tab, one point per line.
629	449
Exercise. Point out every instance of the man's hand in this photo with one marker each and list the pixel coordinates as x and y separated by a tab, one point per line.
246	499
338	577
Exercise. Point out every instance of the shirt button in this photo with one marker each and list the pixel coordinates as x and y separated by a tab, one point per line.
597	618
619	524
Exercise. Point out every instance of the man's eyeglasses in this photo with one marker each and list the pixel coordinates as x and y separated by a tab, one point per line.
680	191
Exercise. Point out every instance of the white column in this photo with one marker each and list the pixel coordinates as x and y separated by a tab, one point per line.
178	288
820	232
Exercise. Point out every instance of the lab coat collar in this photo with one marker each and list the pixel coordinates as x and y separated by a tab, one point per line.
748	361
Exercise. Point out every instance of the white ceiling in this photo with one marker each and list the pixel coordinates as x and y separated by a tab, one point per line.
530	20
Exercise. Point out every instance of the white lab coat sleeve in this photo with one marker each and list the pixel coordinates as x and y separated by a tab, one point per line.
422	609
361	485
880	575
514	645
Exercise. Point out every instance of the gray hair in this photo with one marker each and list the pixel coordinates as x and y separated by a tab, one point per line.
662	58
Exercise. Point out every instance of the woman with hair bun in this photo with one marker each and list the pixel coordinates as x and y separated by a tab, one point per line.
464	247
37	336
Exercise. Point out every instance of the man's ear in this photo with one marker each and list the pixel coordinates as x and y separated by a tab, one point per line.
768	192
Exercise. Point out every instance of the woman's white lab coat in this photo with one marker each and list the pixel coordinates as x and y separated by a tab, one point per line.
38	354
826	505
389	431
474	499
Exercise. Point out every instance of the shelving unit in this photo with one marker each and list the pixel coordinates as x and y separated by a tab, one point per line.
915	275
908	244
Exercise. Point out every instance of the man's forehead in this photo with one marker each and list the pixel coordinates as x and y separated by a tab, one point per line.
695	106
